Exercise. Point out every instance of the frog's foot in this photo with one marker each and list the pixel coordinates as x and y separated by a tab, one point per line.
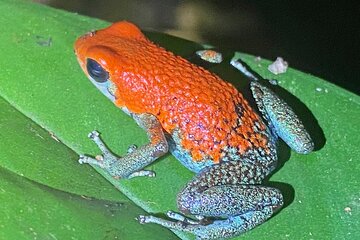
132	164
105	160
181	222
215	229
90	160
173	215
109	161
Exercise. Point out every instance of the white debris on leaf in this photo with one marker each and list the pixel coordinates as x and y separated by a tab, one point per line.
258	61
279	66
347	210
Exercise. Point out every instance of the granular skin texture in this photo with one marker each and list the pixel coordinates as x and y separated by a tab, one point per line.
209	113
202	120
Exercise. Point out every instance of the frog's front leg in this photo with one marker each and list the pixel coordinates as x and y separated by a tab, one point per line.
131	165
228	192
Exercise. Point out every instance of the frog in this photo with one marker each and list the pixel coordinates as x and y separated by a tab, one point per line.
202	120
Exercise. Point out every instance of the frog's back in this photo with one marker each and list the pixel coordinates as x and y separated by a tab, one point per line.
207	117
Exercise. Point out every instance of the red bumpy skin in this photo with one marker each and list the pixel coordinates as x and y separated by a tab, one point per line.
209	113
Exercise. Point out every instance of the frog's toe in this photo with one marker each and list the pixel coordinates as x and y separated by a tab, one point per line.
142	173
201	231
142	219
94	134
182	218
85	159
179	225
131	148
108	156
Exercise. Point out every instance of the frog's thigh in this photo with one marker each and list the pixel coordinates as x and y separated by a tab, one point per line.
282	119
229	200
216	193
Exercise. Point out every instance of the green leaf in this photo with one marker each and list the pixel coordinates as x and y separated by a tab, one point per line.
42	80
30	151
44	192
33	211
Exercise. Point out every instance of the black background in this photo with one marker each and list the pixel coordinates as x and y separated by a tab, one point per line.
318	37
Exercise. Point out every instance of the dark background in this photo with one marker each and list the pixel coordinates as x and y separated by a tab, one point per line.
318	37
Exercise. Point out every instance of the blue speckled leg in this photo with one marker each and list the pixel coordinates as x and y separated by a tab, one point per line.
131	165
228	192
279	115
216	229
282	119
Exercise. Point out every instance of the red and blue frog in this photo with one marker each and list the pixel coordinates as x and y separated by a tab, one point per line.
204	121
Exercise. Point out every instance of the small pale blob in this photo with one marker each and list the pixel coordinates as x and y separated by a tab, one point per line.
53	136
347	210
210	56
279	66
257	59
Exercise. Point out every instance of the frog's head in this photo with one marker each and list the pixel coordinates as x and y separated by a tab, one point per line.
102	56
95	62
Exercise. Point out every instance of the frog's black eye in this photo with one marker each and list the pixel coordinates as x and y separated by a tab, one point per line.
96	71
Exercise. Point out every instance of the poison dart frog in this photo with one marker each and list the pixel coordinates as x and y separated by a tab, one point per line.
204	121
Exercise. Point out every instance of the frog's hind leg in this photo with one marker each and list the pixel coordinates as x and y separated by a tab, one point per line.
279	115
217	229
282	119
228	192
